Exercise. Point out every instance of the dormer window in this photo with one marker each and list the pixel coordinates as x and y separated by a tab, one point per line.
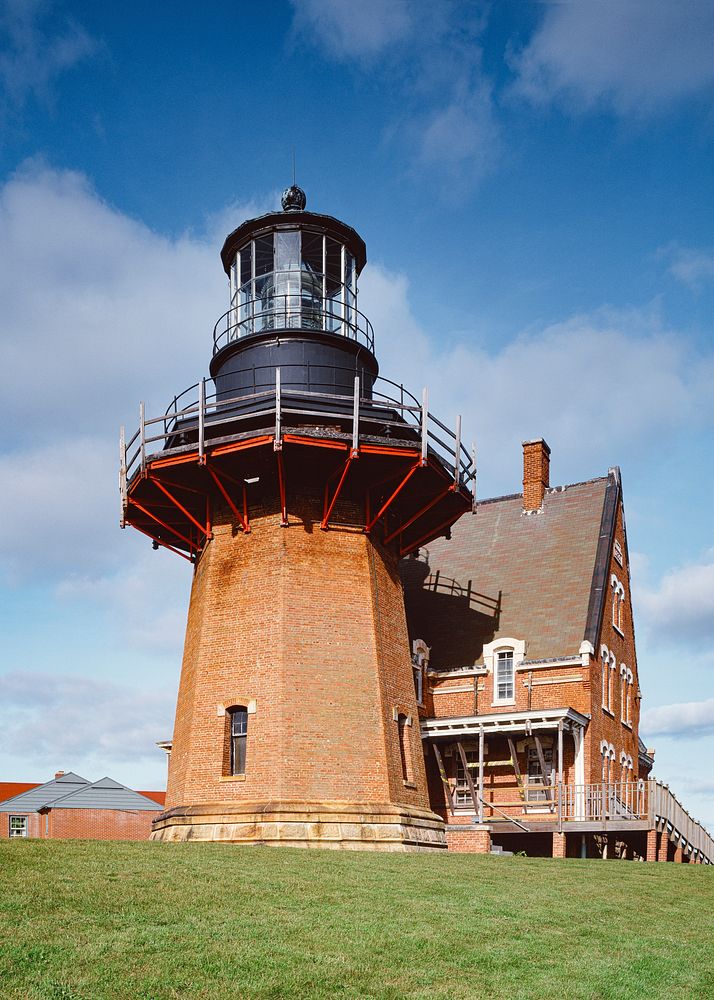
505	688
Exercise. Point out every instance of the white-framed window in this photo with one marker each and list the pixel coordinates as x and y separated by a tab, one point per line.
535	776
618	600
608	665
605	668
18	826
617	552
628	698
420	662
462	792
504	680
607	752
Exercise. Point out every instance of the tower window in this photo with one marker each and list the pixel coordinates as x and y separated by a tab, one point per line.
404	754
505	686
238	720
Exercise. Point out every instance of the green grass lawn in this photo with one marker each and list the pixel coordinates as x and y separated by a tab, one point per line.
90	920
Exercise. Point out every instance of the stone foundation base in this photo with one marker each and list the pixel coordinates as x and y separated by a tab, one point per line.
354	826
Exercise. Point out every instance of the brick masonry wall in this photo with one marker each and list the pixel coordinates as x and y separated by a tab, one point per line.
86	824
309	626
604	725
471	841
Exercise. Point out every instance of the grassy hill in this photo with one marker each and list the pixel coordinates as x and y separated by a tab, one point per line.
120	920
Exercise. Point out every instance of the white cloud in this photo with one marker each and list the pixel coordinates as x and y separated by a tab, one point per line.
462	136
31	58
691	266
346	30
98	311
695	718
146	598
562	376
635	55
681	608
64	720
429	54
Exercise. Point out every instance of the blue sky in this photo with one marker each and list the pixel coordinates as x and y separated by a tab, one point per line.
534	184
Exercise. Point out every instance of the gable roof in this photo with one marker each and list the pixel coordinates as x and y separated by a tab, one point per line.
43	795
538	576
106	794
74	792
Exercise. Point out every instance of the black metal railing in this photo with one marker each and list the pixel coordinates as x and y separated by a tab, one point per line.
292	311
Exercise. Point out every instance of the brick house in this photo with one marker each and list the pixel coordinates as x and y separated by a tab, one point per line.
527	680
72	808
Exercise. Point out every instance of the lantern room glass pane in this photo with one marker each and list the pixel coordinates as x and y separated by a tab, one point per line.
246	264
264	262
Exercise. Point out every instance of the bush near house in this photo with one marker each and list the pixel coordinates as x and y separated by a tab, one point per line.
95	920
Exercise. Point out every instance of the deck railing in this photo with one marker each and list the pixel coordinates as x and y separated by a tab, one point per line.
643	802
667	811
199	415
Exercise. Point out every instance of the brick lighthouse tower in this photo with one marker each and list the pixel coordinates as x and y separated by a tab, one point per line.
293	480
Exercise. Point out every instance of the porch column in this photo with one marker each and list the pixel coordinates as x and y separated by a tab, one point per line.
663	845
652	845
579	770
480	773
559	845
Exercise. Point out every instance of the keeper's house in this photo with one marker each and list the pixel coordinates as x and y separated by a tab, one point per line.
70	807
527	683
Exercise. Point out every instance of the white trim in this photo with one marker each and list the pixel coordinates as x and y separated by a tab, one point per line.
452	690
554	680
524	666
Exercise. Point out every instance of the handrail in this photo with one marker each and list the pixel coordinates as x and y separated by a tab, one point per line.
291	311
390	406
666	808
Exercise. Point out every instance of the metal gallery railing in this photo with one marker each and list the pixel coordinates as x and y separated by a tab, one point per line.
200	414
292	311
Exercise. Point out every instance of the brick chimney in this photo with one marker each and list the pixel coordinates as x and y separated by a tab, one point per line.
59	774
536	473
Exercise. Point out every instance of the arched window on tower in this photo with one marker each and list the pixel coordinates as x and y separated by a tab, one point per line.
238	723
404	749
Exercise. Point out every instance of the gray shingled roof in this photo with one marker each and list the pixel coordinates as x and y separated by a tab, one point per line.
44	795
514	575
106	794
72	792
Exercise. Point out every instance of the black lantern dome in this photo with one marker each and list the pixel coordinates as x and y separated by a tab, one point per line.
293	294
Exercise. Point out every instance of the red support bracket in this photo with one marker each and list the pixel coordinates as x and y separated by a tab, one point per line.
145	510
158	541
328	509
419	513
281	481
203	528
387	504
428	537
217	480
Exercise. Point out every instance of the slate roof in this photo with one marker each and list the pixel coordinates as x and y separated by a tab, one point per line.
503	573
73	792
44	795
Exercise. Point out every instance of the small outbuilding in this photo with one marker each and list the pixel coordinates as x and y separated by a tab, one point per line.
72	808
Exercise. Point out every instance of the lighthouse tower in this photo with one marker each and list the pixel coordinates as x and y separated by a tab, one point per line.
294	479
